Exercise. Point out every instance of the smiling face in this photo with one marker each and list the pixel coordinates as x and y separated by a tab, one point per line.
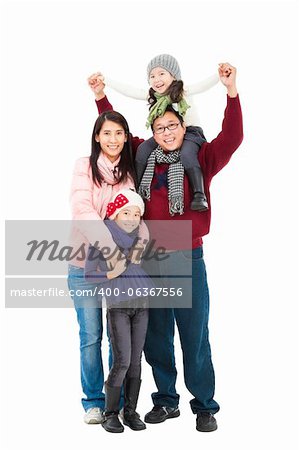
111	138
128	218
169	140
160	80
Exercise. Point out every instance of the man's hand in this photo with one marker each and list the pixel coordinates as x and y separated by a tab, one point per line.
97	85
227	75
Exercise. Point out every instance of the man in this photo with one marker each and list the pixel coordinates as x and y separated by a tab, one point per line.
192	323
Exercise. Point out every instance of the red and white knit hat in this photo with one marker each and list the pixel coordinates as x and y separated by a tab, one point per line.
122	200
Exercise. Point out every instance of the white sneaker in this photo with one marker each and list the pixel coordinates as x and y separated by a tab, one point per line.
93	416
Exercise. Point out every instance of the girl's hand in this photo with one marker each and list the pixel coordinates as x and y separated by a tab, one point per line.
227	75
119	268
114	258
97	85
135	254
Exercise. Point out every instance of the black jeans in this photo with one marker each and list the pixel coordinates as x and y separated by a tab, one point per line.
127	329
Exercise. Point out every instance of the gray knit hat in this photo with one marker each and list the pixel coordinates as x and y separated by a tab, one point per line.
168	63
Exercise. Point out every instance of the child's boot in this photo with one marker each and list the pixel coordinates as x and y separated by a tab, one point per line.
199	201
111	421
131	392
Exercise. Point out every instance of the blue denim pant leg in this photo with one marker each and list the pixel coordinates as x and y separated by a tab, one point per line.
192	325
193	330
89	316
159	353
159	347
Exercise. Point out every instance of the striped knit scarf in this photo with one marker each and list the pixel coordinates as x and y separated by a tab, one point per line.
175	178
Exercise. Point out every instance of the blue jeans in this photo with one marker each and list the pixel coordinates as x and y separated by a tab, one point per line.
89	316
192	325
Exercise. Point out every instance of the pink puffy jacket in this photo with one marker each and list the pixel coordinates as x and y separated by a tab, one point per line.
89	203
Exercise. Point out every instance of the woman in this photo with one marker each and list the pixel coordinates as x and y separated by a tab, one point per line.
96	179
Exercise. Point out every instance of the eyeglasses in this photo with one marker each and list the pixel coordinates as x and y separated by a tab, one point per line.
170	127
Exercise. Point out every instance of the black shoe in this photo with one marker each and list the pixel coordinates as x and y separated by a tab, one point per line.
199	203
205	421
160	413
111	423
133	421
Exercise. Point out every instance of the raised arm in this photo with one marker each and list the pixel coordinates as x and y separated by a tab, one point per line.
216	154
97	82
127	90
97	86
202	86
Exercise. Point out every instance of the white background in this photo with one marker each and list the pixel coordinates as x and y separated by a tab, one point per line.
48	50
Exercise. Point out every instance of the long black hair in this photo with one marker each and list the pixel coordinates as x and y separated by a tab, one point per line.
126	167
175	92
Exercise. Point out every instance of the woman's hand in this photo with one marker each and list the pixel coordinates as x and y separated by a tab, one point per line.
227	75
97	85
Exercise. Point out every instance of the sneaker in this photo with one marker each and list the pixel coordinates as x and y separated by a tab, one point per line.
93	416
160	413
205	421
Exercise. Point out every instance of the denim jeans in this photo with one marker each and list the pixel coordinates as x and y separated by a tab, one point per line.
192	324
89	316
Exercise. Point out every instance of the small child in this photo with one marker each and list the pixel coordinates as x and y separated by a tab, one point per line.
166	87
126	293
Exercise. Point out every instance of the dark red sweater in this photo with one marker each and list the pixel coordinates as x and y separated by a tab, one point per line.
213	156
